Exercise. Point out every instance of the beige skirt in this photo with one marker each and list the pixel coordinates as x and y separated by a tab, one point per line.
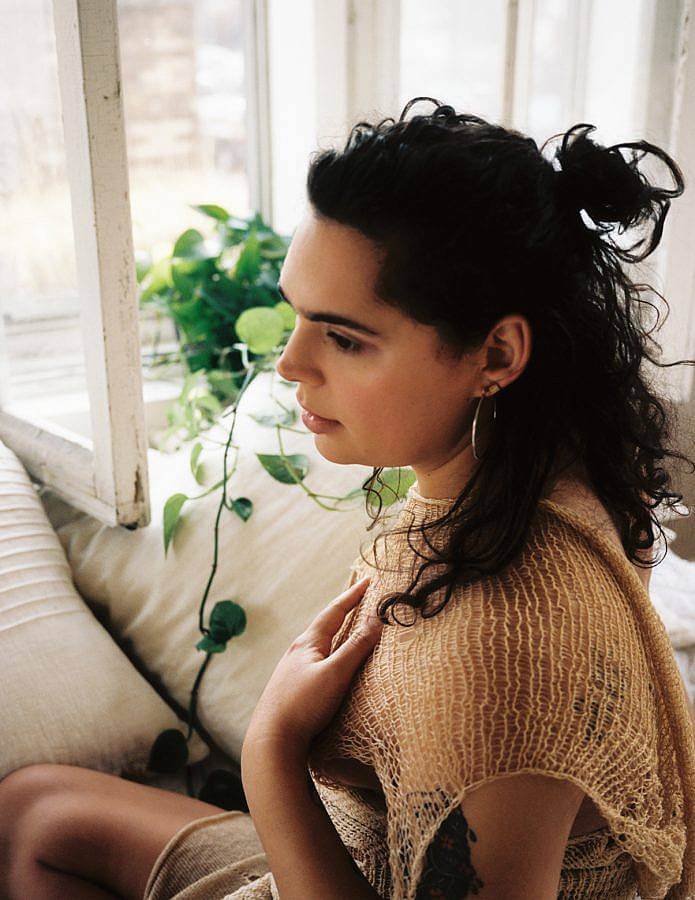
218	857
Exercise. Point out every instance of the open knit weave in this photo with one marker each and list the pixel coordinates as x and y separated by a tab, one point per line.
558	665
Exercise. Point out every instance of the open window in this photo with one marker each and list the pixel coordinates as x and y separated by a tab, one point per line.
254	87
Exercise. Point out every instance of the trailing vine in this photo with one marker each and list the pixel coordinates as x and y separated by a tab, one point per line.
262	332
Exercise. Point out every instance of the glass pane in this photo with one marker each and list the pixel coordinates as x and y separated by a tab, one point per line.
574	74
184	99
453	50
38	279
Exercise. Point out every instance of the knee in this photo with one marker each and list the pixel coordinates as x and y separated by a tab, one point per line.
22	788
28	797
24	818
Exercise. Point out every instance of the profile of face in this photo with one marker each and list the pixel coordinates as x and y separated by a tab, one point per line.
396	399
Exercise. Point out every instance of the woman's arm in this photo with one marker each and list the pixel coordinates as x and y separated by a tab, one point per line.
305	853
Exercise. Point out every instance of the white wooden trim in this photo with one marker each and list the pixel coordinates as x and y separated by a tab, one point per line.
373	59
659	80
90	82
518	64
332	117
258	130
677	336
511	47
516	88
581	12
58	458
107	476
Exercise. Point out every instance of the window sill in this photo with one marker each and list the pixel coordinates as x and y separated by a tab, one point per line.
70	409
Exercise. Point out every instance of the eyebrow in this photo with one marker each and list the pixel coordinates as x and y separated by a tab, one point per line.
329	317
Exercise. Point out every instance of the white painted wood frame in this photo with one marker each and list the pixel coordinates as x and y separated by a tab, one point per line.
258	135
677	336
373	59
106	476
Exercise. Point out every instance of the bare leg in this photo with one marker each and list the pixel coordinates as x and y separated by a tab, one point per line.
71	832
39	882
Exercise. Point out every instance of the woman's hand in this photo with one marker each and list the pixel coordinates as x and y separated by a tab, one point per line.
308	685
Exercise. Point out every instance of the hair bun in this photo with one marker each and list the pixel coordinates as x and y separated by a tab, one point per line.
609	187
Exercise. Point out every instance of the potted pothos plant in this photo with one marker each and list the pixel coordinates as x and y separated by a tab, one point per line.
221	293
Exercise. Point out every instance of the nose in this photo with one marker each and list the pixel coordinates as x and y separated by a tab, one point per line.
289	365
282	369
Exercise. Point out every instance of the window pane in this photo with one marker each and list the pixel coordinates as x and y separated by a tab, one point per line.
184	96
38	278
576	73
184	100
453	50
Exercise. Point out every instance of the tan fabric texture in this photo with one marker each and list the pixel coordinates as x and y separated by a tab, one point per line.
560	666
218	857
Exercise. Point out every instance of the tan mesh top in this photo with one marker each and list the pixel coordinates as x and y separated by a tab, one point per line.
559	665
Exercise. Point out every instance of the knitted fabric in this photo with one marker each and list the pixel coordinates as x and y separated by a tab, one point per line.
558	665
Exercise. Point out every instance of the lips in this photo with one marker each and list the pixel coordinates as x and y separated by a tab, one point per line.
312	413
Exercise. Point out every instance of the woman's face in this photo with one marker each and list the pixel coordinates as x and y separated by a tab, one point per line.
395	401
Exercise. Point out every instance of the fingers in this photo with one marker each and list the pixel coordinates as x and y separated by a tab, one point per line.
329	620
358	646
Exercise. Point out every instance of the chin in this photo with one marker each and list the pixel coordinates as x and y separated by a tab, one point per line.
341	456
333	454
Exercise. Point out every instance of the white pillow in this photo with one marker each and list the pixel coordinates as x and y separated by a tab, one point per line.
69	694
283	564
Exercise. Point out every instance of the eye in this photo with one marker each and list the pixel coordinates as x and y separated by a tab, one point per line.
347	346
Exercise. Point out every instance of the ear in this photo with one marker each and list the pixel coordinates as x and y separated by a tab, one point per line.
506	351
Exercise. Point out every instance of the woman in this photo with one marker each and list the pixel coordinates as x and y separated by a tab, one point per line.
461	309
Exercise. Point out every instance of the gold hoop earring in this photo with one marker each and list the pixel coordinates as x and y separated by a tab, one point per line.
488	391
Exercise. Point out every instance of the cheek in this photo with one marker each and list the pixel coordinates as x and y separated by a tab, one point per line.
389	414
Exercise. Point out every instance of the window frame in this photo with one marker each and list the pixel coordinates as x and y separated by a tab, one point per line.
106	476
677	261
356	56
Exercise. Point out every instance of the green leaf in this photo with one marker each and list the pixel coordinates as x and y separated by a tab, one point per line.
227	620
192	245
209	646
223	384
289	316
287	469
169	752
248	265
396	484
238	223
212	210
210	403
273	247
260	328
355	492
195	468
157	280
172	512
243	507
187	275
285	417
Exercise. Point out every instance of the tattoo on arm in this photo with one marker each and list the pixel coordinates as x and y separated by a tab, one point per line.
448	871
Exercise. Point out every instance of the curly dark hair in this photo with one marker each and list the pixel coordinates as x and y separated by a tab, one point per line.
475	223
